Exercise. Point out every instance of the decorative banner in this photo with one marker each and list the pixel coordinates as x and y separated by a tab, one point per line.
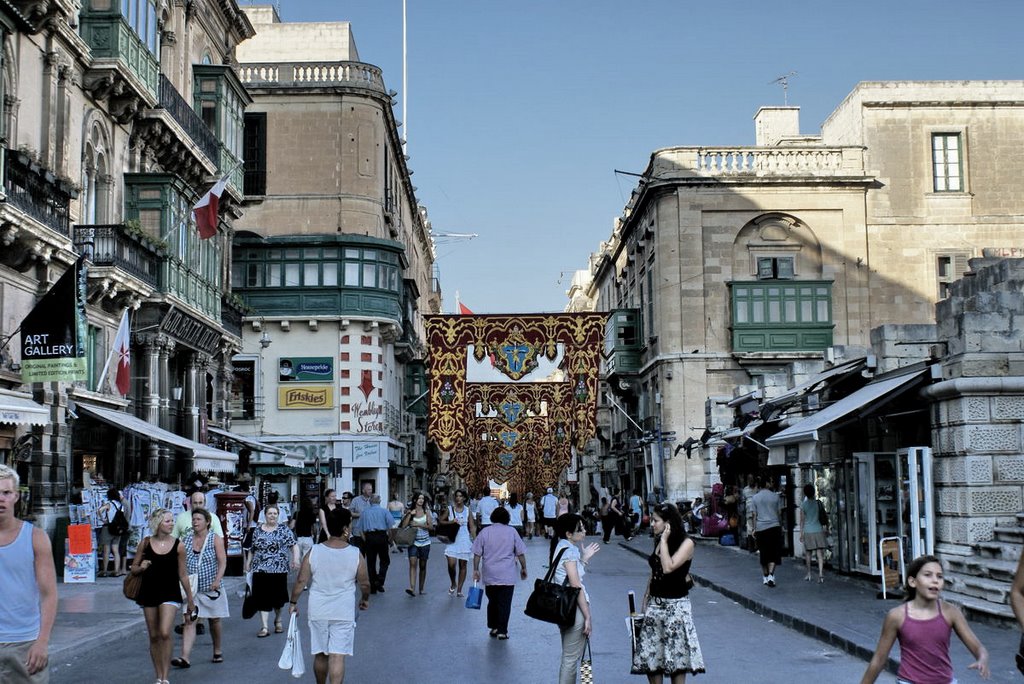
305	397
53	334
521	433
305	369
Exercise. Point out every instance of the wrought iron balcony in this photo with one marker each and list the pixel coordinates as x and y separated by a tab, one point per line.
37	192
192	123
117	247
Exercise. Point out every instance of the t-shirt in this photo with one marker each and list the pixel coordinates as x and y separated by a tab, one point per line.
515	515
767	509
488	505
549	502
572	553
810	509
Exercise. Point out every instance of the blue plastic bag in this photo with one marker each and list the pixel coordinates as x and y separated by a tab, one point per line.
475	598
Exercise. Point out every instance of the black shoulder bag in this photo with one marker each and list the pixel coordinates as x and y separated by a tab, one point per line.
550	602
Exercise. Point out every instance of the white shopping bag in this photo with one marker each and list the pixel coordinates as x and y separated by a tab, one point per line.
291	656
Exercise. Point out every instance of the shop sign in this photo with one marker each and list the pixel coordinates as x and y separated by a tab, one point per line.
79	559
305	397
365	453
305	369
369	417
53	334
190	331
310	452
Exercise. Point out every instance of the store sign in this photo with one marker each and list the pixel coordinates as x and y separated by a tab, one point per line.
305	397
190	331
53	334
369	417
366	453
305	369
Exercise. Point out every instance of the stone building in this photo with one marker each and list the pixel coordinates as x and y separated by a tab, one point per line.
334	258
731	264
117	118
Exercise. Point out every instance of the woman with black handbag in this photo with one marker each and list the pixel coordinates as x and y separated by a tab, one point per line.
565	551
667	645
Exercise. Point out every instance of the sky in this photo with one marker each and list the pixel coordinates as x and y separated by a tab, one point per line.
520	113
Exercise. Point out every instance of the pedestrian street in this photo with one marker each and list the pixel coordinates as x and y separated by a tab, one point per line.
434	639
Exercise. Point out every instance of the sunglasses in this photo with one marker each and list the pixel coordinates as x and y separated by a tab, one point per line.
213	595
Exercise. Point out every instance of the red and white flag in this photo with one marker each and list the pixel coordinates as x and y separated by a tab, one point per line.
207	210
464	310
123	349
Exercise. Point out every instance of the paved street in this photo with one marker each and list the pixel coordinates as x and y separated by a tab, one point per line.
435	639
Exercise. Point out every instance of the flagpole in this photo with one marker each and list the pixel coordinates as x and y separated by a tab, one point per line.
110	355
458	309
405	82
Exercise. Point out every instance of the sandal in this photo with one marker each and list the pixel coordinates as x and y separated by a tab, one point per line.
277	627
181	662
218	658
503	637
451	591
410	592
262	633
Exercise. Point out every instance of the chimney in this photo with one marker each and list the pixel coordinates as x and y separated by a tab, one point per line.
772	125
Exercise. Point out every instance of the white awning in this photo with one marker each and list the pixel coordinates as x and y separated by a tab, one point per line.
19	409
206	457
872	394
248	441
735	432
804	387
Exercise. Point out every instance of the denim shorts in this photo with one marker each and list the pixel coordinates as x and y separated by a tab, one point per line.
422	552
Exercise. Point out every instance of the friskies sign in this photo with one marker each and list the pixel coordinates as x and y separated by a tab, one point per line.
53	334
305	397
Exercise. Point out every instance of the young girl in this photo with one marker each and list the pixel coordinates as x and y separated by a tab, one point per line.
923	625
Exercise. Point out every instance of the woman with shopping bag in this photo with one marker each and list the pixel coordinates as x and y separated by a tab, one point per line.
496	549
332	570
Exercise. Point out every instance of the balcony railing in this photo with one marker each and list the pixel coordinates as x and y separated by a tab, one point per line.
829	162
112	245
35	193
278	74
192	123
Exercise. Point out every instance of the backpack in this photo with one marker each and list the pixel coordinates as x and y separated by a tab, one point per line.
822	515
119	524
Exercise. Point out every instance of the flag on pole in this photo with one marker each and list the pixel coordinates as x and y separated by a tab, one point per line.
464	310
207	210
123	348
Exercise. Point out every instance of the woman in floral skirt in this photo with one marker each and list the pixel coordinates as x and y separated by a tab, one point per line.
273	547
667	645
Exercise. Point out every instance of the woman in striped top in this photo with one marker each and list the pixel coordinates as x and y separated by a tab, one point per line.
419	516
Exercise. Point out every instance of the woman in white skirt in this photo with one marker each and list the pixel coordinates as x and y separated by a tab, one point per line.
460	551
206	558
812	531
531	514
667	645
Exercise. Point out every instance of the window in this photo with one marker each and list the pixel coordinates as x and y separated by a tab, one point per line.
949	268
947	162
781	316
775	268
255	154
243	389
317	267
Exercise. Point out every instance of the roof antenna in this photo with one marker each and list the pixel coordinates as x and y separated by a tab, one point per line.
784	82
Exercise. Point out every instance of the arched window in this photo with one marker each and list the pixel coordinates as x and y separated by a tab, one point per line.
96	178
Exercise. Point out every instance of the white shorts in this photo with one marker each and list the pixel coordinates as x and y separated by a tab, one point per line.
332	636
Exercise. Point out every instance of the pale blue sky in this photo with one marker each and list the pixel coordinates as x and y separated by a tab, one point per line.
520	111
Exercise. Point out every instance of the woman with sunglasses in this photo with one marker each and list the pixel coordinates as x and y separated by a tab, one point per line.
565	550
206	558
667	645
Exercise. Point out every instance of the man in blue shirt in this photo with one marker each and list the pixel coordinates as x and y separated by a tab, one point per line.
375	523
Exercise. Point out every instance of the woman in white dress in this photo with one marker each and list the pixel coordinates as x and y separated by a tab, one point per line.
459	551
531	514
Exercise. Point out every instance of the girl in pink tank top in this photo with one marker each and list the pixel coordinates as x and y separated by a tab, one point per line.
923	625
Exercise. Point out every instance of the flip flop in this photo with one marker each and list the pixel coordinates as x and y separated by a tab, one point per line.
218	658
262	633
181	662
277	627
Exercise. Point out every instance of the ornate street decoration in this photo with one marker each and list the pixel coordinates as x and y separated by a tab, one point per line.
521	432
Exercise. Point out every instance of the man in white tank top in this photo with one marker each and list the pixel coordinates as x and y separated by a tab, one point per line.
29	607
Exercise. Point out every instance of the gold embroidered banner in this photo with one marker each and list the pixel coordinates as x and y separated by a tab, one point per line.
516	432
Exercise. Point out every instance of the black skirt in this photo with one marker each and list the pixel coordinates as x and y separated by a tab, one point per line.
269	590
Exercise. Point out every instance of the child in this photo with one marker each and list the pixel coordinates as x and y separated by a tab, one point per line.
922	625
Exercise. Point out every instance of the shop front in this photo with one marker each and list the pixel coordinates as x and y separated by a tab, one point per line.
18	415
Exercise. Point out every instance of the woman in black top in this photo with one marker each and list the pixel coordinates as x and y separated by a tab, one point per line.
667	644
302	525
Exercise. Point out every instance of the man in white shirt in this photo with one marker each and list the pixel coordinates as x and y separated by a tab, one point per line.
549	507
183	522
488	504
212	490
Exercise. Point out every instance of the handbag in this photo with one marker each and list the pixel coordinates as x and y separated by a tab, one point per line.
132	582
248	604
405	536
291	656
475	598
550	602
587	665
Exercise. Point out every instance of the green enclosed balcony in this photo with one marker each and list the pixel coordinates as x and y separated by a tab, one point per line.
329	275
781	316
622	345
124	33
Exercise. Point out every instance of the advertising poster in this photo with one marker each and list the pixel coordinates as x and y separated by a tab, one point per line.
305	369
79	559
305	397
53	334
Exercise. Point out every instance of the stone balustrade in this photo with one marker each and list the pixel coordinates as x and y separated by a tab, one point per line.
760	161
320	74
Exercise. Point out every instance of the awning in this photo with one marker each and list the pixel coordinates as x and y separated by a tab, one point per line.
19	409
846	410
206	457
248	441
805	387
735	432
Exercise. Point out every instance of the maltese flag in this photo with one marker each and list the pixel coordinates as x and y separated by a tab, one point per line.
464	310
207	210
123	348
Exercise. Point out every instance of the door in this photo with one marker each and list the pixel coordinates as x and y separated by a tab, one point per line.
863	532
916	501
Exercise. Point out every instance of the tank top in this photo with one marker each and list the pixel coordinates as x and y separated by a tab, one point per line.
671	585
19	611
924	649
332	591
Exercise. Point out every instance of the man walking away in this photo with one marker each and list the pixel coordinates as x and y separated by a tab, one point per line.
29	607
376	522
768	530
549	507
488	504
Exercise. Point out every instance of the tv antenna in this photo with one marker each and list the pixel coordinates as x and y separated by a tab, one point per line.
784	82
